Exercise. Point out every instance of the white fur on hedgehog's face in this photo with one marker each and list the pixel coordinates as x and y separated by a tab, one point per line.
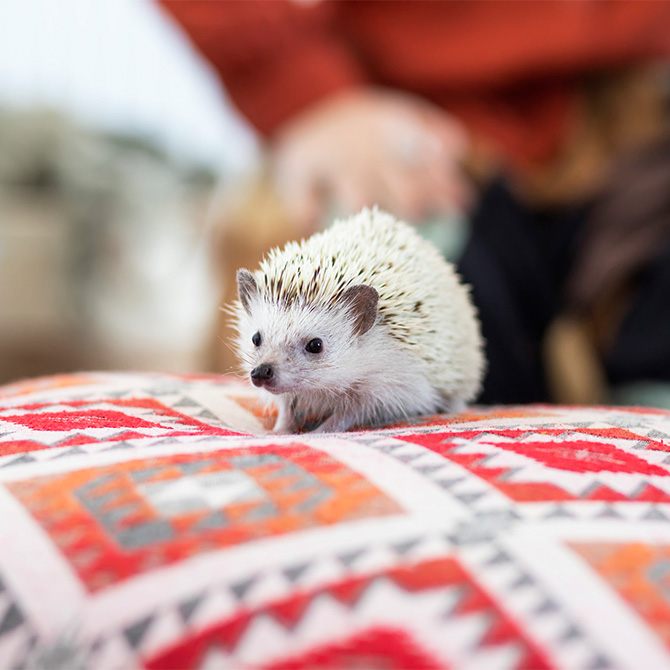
301	348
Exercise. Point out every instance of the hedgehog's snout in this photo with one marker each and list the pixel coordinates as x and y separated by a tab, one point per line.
262	375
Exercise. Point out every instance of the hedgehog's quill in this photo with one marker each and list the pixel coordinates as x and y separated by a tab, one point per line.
362	324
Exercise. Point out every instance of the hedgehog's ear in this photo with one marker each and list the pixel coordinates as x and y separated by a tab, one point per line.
362	303
246	288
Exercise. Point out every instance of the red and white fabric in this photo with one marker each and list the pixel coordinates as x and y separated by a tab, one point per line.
146	522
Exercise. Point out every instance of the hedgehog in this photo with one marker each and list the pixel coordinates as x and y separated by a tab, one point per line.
363	324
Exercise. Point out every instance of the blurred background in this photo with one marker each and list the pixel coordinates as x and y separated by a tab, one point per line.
116	140
149	148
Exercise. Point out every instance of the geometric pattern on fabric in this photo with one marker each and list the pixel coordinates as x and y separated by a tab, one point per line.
17	636
149	520
554	464
640	573
86	422
458	610
144	513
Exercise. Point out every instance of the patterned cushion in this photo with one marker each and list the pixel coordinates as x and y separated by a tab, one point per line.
142	524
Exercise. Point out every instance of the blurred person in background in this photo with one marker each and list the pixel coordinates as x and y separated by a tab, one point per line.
544	122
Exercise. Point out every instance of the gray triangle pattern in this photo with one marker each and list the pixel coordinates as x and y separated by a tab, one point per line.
428	469
448	483
608	513
74	451
499	558
293	573
239	589
167	389
469	498
185	401
639	445
599	662
523	581
571	632
350	557
470	533
21	460
559	512
10	619
165	440
116	436
654	514
389	448
137	631
408	458
405	547
187	608
370	441
206	414
545	607
117	395
119	445
97	644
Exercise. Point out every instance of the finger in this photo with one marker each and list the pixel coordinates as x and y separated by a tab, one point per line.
418	192
451	136
458	191
402	194
446	188
301	198
350	194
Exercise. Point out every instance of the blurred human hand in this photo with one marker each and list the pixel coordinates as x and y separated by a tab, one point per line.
367	147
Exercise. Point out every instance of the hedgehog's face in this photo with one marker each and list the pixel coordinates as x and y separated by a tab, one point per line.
301	348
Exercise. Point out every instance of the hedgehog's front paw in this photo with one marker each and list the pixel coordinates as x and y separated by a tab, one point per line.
286	423
335	423
286	420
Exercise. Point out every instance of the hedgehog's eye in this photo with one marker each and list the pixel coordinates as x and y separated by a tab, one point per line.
256	339
314	346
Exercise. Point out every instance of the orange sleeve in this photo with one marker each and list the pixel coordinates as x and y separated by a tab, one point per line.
274	57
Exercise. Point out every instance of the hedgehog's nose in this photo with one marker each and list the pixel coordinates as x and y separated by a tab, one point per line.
262	374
